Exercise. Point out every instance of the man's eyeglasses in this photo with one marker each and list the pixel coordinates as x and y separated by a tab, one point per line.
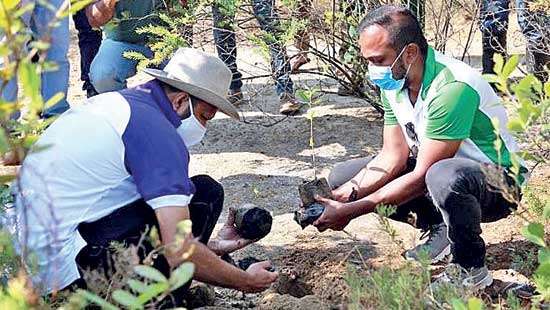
411	133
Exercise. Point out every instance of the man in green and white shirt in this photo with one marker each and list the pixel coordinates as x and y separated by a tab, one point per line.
441	125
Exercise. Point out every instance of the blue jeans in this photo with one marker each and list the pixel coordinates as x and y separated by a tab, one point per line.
494	26
110	69
89	41
224	37
55	81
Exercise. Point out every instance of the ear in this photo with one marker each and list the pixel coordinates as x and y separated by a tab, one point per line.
180	102
411	53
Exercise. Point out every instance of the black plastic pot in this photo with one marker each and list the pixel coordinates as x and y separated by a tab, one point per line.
317	187
253	222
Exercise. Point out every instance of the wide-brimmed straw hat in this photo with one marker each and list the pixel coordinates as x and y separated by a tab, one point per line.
200	74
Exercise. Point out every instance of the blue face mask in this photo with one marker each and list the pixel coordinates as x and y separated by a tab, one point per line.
382	76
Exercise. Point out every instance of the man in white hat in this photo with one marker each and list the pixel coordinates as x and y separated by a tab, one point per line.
110	168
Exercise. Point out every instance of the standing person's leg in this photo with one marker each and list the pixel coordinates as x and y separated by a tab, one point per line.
494	26
56	81
226	46
301	40
267	17
460	189
89	40
534	26
110	69
9	88
420	212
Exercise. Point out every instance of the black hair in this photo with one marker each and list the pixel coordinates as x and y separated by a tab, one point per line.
400	22
169	88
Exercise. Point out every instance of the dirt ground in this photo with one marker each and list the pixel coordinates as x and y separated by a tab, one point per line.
264	166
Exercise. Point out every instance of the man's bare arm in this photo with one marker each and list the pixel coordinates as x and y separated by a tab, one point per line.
381	169
337	215
209	268
412	184
100	12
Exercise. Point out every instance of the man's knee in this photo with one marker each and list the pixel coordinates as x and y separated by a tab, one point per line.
447	176
211	189
345	171
208	182
103	78
338	175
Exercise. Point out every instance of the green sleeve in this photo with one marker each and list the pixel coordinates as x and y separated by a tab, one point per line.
451	113
389	116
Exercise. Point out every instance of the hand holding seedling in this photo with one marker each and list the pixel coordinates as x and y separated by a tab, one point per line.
345	193
228	239
334	217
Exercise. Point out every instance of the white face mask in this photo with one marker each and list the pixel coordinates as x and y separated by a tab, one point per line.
191	130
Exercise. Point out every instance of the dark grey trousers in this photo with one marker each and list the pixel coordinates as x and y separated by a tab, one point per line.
458	193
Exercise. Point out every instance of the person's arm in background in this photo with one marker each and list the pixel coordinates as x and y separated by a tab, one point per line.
100	12
209	268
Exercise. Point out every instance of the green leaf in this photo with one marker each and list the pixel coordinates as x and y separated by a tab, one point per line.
30	140
301	94
349	57
475	304
546	212
458	304
152	291
126	299
54	99
23	9
40	45
516	125
30	80
491	78
4	50
96	300
4	143
78	5
534	232
181	275
544	255
541	278
510	66
137	286
184	227
543	288
499	63
10	4
150	273
547	89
